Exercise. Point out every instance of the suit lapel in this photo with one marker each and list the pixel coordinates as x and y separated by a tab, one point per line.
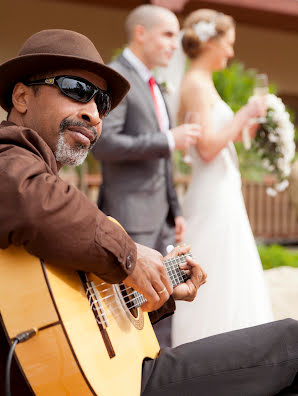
142	87
166	104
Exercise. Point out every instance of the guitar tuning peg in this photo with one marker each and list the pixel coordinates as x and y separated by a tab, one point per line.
169	248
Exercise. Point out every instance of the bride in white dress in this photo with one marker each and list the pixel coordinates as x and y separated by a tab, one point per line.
218	229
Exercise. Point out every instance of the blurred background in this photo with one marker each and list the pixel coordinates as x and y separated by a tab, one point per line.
267	42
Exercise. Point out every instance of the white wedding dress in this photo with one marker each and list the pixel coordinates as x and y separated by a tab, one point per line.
218	230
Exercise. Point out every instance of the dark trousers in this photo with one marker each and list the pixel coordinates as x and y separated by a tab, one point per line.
159	240
257	361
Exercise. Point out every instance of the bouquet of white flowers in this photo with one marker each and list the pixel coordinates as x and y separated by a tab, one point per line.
274	142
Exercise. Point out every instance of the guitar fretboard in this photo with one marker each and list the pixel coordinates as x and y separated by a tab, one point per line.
175	273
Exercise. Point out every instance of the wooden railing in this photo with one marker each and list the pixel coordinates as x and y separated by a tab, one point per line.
272	219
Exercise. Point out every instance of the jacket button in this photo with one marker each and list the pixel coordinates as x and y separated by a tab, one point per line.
128	262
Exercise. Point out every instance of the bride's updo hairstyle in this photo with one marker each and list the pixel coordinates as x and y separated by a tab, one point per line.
202	25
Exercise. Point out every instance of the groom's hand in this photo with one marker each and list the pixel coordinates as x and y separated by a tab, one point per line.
180	228
185	136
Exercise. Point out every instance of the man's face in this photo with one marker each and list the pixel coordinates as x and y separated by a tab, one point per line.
69	127
160	41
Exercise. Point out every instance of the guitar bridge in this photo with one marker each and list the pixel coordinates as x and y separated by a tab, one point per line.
96	304
98	311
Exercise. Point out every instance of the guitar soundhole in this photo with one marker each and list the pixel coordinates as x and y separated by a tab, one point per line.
128	301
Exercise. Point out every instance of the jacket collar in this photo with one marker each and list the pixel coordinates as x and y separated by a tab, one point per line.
28	139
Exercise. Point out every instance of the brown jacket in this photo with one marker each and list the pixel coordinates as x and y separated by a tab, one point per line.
55	222
52	219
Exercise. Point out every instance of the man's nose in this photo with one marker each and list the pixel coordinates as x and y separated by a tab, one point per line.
89	112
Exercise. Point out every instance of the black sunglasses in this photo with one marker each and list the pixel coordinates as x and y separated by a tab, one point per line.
79	89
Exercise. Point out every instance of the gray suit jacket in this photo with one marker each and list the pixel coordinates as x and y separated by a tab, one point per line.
137	184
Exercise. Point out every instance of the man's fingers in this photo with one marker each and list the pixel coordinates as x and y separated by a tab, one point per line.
177	251
156	298
199	276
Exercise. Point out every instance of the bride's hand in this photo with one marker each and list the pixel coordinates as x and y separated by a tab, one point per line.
250	115
256	108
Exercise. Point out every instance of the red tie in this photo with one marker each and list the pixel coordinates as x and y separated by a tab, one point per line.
152	84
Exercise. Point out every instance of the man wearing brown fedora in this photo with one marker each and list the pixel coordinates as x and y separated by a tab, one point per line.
56	92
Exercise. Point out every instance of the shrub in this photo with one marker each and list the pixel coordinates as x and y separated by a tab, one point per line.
276	256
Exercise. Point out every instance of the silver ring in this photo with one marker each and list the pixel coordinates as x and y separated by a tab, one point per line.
162	291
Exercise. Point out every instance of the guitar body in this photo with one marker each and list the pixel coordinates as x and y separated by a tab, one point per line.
86	344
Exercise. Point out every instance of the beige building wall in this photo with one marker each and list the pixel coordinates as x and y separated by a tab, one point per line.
271	51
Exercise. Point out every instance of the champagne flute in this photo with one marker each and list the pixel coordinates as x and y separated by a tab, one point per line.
261	88
191	117
261	85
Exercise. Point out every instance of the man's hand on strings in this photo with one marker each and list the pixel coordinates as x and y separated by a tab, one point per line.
149	278
187	291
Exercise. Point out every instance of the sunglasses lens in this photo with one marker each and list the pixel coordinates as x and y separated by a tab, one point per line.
83	92
75	89
103	102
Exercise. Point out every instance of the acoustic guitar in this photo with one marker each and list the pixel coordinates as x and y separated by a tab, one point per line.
92	336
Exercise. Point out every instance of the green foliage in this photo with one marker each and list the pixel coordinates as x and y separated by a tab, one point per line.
235	84
179	165
117	52
276	256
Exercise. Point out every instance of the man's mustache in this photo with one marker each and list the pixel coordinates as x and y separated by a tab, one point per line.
66	123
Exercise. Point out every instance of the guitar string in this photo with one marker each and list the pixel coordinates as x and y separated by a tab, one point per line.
137	300
179	278
171	263
174	278
172	266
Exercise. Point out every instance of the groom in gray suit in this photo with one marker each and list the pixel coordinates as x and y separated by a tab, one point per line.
137	140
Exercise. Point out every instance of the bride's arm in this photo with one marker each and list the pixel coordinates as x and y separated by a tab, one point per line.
196	97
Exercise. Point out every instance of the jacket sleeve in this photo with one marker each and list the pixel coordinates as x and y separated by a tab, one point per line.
171	191
56	222
163	312
117	143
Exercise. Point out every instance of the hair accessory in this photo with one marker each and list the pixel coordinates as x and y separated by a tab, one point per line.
205	30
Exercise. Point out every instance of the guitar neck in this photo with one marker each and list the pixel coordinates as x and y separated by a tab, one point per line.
175	274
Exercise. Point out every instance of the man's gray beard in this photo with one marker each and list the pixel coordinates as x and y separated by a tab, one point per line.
66	155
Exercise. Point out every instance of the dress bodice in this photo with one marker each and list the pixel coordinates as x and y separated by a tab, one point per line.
226	162
217	178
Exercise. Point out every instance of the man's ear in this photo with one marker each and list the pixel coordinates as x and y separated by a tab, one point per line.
20	97
139	33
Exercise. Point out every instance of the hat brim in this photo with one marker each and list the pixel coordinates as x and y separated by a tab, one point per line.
19	68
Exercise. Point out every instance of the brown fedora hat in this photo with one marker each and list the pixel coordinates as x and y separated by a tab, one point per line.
56	49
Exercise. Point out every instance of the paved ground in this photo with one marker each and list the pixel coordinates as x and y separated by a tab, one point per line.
283	289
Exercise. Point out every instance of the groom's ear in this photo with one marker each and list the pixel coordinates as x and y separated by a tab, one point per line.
139	34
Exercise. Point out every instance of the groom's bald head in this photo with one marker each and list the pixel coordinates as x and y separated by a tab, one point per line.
147	16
